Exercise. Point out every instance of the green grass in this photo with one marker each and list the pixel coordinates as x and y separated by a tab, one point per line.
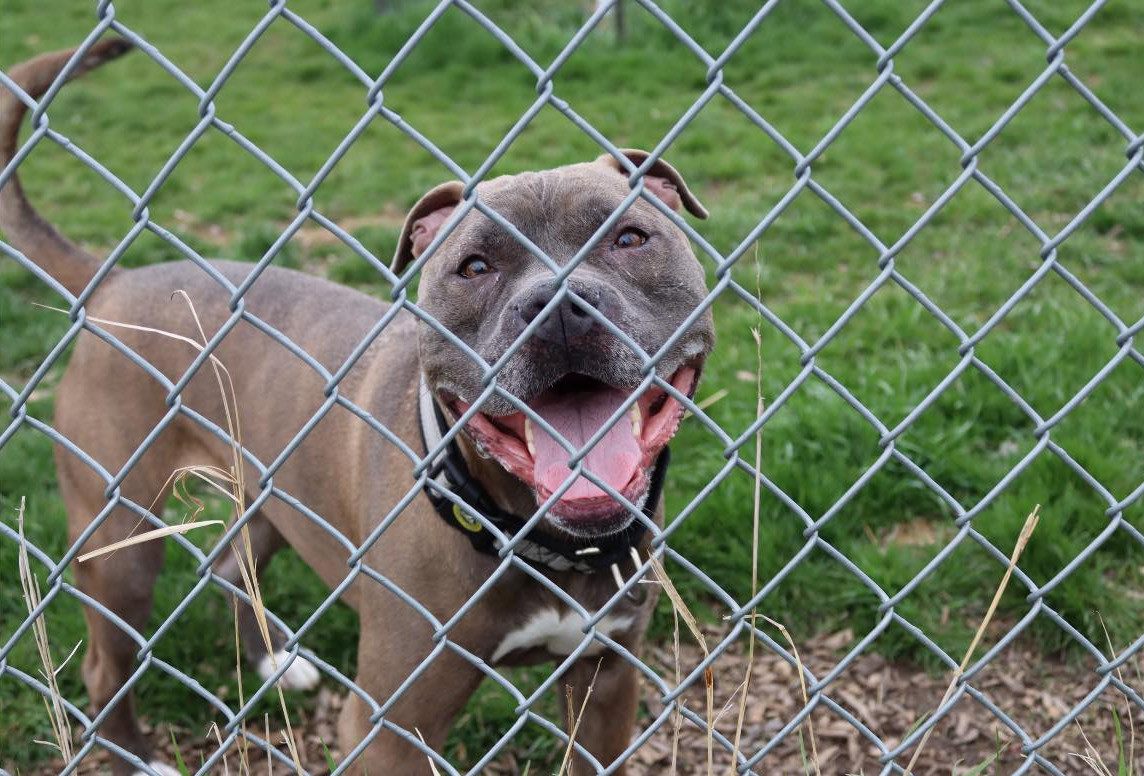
801	70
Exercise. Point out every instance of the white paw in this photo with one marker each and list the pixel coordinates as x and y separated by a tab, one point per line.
301	675
160	768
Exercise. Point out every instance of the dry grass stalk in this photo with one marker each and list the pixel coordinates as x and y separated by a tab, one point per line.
432	765
1092	757
802	685
243	743
1018	548
1127	702
237	480
677	715
760	406
179	488
218	737
54	705
707	401
681	609
147	536
566	763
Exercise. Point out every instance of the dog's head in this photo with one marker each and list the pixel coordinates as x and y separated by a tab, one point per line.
487	288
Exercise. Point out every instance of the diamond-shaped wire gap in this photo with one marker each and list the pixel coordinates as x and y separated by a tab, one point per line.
1050	345
893	356
774	698
968	438
973	238
1053	175
91	113
888	165
970	63
951	599
1063	686
732	375
739	174
1020	687
891	697
817	266
801	69
1072	519
603	83
1104	440
892	529
457	69
297	102
201	202
367	194
1097	252
489	714
814	448
721	524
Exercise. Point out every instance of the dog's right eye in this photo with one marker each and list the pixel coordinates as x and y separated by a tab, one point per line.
474	266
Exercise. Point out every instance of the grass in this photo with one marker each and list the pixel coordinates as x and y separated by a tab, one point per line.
801	70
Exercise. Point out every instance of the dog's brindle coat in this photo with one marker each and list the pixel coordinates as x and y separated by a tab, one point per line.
347	473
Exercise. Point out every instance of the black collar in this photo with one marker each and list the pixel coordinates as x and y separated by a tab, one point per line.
448	473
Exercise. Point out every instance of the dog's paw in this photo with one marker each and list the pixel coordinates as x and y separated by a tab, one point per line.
160	768
301	675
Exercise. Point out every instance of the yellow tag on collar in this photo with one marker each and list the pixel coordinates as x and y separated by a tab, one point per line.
466	522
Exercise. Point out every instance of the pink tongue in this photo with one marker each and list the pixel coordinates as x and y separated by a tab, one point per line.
615	458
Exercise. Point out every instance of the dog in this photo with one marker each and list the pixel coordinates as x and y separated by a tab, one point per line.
343	482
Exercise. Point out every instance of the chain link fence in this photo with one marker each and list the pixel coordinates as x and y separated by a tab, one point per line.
819	687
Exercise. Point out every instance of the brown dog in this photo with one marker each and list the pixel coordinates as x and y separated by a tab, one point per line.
571	376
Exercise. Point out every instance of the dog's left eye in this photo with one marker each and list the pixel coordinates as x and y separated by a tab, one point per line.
474	266
630	238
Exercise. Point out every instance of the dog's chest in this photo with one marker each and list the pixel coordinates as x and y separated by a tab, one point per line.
559	632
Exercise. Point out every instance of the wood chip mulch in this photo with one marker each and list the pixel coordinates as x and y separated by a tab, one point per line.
888	698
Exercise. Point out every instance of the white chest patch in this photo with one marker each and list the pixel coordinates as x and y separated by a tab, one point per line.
559	633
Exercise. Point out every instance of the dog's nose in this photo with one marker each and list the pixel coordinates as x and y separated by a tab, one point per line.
567	322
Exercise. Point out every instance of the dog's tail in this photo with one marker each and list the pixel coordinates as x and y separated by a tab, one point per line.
23	227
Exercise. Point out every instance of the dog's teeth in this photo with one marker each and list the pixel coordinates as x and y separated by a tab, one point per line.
637	421
529	439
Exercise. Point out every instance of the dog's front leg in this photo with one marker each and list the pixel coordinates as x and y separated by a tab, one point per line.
425	709
606	724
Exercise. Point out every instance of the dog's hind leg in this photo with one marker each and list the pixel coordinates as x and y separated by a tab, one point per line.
264	540
122	582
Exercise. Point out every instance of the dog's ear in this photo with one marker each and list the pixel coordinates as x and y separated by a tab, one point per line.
663	180
424	221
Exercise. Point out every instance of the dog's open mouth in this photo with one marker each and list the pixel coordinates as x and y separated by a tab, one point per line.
577	407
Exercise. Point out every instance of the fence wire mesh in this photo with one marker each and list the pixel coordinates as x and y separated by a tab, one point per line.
893	755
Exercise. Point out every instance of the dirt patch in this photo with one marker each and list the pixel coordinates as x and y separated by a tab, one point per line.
888	698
